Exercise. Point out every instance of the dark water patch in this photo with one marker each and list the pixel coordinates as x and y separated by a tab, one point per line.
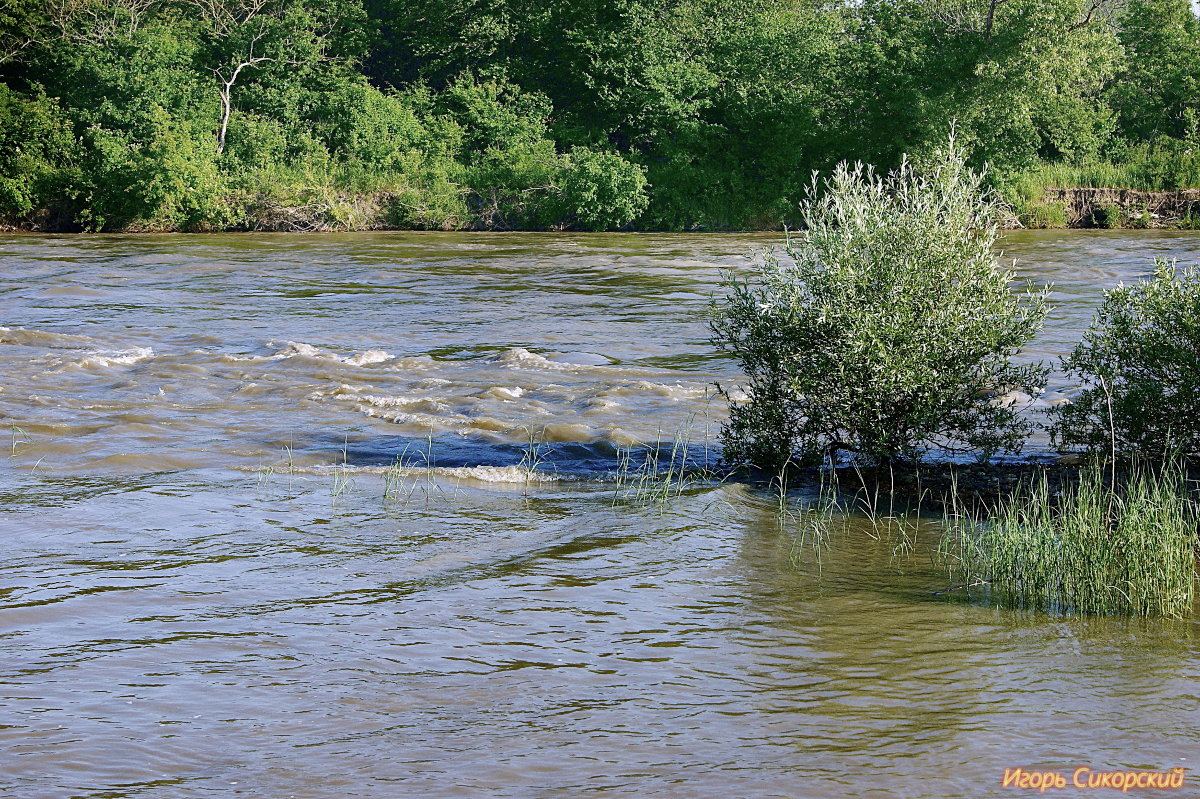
600	458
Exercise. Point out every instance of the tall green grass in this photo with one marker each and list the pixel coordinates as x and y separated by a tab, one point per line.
661	473
865	506
1102	545
1165	165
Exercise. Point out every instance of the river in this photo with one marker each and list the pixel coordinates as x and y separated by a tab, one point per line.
205	592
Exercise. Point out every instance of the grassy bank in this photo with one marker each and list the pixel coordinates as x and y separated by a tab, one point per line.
344	199
1150	186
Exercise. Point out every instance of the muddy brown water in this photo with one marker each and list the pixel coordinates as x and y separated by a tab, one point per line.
204	592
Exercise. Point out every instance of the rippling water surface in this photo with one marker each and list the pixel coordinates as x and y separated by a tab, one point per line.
205	592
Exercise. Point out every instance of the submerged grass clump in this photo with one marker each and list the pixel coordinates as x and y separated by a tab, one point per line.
866	506
663	473
1100	545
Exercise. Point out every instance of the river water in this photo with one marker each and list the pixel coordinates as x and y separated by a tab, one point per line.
204	590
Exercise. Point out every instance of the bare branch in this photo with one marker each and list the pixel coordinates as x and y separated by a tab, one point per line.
97	21
1094	7
10	48
226	16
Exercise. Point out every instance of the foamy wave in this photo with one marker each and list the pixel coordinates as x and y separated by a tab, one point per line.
597	405
483	474
423	412
568	433
676	391
420	404
348	393
521	358
109	358
499	474
300	349
1013	399
503	392
292	349
368	357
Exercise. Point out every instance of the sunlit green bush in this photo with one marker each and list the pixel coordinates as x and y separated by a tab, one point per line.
159	177
37	153
1139	365
601	190
884	330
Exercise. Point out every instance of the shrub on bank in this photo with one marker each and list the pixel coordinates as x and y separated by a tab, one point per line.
1139	365
1043	215
1026	195
601	190
37	154
884	330
1162	164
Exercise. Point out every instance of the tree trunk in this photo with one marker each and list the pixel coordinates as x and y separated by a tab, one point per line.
226	110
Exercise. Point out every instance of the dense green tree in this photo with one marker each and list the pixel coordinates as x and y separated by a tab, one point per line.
1159	90
1019	78
22	23
668	114
286	39
41	154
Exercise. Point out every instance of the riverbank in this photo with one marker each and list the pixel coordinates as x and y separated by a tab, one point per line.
1111	208
349	212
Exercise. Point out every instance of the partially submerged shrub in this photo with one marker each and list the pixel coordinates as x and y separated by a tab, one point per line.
1095	547
1139	364
884	330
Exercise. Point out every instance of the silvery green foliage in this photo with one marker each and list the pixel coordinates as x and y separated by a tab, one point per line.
1139	364
885	329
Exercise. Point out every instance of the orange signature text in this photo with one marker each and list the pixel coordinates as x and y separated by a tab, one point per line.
1084	777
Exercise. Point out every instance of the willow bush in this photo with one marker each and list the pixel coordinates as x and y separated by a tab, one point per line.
1139	365
885	330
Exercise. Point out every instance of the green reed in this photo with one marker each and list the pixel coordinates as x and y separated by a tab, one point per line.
20	436
536	452
866	505
342	476
661	474
809	520
1097	546
413	472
